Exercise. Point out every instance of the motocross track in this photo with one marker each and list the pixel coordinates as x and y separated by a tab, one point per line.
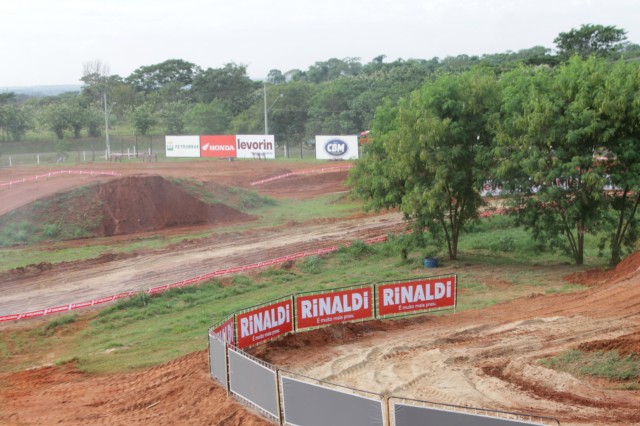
480	358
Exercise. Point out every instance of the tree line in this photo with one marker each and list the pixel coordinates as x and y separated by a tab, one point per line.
563	140
336	96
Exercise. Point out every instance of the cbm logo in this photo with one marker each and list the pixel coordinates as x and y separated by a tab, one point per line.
336	147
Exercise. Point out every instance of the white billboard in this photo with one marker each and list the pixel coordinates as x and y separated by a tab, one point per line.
182	146
337	147
255	146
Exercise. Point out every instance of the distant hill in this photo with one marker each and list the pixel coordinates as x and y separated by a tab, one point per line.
39	91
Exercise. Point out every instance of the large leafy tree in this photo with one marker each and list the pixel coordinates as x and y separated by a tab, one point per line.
619	108
229	85
208	119
143	117
172	116
436	152
174	72
288	116
547	138
332	69
331	109
14	119
375	178
589	39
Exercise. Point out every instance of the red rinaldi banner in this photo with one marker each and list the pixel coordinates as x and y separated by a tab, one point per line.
414	296
264	323
222	146
338	306
225	331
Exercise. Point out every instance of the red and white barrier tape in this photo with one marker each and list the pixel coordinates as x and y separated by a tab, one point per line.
183	283
58	172
304	172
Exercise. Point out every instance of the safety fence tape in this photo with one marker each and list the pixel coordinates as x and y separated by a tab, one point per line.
303	172
183	283
58	172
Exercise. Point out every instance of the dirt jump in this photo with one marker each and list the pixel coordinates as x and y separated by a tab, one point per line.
479	358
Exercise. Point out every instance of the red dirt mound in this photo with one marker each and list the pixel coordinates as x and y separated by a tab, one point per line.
147	203
625	269
179	392
624	345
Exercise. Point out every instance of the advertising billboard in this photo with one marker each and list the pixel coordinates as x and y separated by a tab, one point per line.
337	306
415	296
182	146
337	147
256	146
225	331
264	323
220	146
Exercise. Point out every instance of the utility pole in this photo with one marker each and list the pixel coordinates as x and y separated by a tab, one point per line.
106	124
266	110
266	124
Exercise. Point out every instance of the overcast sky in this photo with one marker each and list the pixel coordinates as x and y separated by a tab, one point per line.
44	42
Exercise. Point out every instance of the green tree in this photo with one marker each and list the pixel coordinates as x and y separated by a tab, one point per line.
14	121
63	115
208	119
376	179
590	40
288	116
172	116
437	150
619	108
331	110
545	150
333	69
276	77
229	85
170	72
7	98
143	118
94	121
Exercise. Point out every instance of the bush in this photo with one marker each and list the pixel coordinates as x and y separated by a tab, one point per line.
51	230
311	265
504	244
51	327
357	250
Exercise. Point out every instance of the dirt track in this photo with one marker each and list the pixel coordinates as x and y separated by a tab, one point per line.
84	281
484	358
